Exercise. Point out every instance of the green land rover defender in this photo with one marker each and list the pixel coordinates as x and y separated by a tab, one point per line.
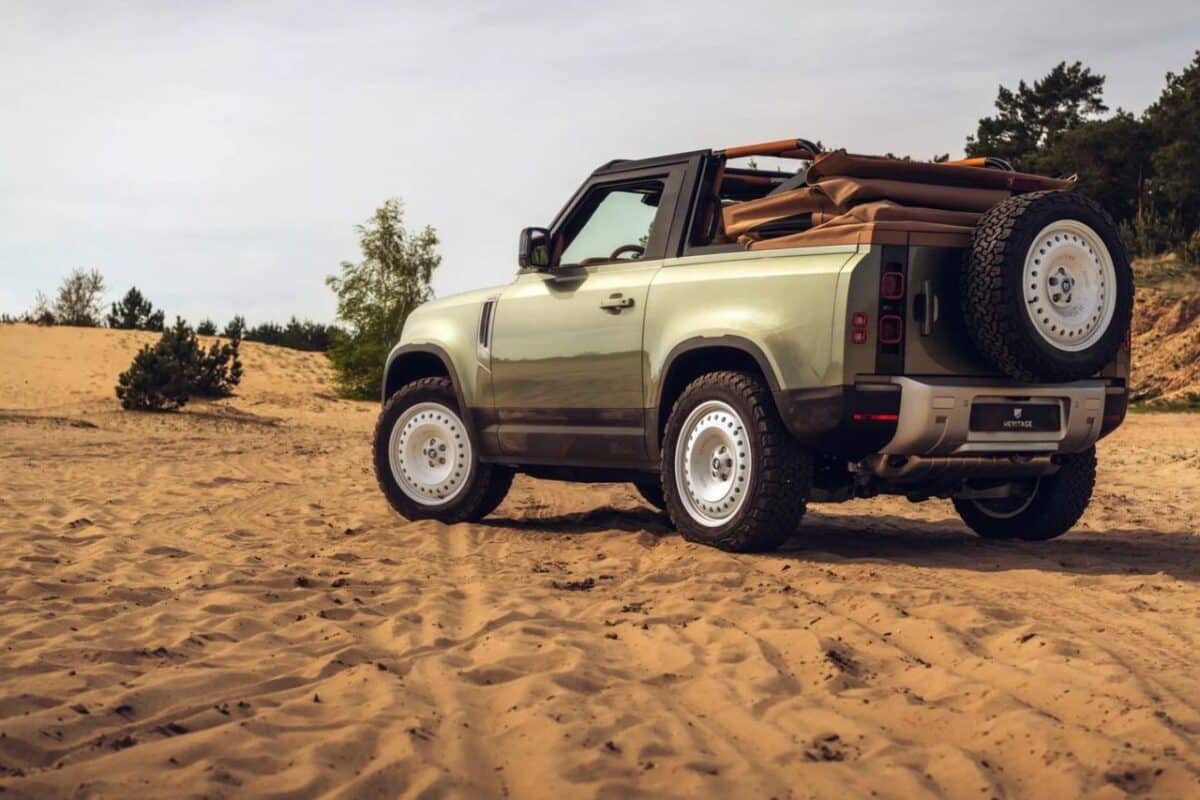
737	342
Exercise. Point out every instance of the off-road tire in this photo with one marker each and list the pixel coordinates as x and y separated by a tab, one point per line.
993	292
652	492
780	476
1058	503
487	484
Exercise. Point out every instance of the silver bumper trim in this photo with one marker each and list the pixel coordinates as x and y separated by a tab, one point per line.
935	418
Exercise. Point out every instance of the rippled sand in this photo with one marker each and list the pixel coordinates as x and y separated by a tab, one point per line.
219	603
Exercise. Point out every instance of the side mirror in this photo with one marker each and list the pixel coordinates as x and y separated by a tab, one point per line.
534	250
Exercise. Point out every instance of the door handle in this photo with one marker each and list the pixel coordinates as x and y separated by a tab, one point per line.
616	302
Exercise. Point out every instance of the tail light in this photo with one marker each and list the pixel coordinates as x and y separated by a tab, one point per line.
891	286
1127	342
891	329
892	311
866	417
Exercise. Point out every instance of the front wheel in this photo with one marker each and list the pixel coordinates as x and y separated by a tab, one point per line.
732	476
425	462
1040	509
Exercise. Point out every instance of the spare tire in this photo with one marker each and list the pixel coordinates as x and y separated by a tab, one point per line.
1047	292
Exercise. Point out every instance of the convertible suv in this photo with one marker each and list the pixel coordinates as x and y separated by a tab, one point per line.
738	341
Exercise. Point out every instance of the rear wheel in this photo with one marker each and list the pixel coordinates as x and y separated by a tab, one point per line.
732	476
1039	509
425	462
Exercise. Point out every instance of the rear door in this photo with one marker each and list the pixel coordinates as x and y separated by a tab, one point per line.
936	338
567	358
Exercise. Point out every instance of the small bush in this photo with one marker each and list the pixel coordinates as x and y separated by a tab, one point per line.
165	375
206	327
219	370
1148	234
1188	250
153	382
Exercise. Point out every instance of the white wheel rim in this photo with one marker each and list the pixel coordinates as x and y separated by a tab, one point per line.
1008	507
712	463
1070	285
430	454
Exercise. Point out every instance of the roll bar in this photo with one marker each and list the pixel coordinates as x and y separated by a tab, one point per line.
781	148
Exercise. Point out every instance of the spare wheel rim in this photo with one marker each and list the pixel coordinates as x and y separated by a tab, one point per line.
713	463
1069	285
430	454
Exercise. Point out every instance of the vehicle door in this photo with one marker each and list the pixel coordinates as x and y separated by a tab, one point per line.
567	360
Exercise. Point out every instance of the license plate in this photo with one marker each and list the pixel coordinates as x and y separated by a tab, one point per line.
1015	417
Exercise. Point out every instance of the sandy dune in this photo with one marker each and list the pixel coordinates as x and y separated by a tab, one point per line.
219	603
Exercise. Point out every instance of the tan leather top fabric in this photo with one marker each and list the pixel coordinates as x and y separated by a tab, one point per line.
887	211
895	232
865	199
746	216
845	164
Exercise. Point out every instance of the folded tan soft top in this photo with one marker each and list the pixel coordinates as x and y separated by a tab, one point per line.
871	200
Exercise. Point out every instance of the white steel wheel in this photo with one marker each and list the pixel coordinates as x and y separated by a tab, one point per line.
1070	285
1012	506
429	453
713	463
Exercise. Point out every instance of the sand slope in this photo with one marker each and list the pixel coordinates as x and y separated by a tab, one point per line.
219	603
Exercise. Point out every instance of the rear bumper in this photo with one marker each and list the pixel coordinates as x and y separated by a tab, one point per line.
935	415
932	416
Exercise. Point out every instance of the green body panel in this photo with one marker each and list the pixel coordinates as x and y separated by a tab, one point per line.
554	347
944	348
789	304
450	325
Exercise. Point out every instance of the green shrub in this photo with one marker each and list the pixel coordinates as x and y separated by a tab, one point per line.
163	376
219	370
206	327
1148	234
1188	250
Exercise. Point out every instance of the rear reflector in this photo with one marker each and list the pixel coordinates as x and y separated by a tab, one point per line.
865	417
891	329
858	327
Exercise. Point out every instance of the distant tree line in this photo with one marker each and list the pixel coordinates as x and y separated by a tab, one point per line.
79	302
1144	169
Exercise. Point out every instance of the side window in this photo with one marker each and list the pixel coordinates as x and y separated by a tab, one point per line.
612	224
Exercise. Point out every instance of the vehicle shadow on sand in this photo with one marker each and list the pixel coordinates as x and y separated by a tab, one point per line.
597	520
893	539
890	539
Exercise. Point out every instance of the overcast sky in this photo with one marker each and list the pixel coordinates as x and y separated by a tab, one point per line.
218	154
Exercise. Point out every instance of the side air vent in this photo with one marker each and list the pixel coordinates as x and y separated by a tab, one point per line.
484	341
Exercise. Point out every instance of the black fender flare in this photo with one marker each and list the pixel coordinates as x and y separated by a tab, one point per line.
729	342
430	349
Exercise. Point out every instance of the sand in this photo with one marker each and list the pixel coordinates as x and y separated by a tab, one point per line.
219	603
